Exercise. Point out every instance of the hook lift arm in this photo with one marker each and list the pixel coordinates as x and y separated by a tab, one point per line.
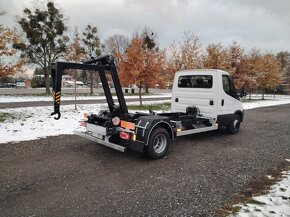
101	65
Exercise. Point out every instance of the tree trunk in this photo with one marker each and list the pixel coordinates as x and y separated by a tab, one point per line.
140	95
47	81
92	82
75	93
263	94
250	94
146	88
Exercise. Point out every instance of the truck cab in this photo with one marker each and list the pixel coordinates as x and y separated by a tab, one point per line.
212	92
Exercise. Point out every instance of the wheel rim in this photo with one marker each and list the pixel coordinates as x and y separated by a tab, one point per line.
159	143
236	124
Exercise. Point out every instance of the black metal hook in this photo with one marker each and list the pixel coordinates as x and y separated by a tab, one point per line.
56	113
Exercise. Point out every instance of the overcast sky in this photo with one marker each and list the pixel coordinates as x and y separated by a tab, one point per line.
264	24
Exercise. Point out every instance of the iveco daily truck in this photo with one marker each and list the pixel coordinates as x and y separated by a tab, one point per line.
202	100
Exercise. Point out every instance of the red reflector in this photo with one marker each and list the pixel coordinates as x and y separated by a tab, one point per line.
83	123
124	135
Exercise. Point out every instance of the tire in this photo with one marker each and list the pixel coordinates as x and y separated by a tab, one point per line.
158	143
234	126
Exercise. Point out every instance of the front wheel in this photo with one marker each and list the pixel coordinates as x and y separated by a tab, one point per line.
158	143
234	126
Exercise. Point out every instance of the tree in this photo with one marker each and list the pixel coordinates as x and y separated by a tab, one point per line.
237	64
92	47
140	67
75	53
216	57
116	45
269	76
185	54
10	62
283	59
253	67
149	44
44	41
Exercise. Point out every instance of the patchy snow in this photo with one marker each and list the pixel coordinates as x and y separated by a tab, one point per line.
274	203
269	101
35	122
31	98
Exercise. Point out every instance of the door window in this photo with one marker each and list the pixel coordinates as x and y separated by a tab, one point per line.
228	86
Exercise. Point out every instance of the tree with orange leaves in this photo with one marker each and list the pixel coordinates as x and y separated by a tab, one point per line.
10	63
215	57
139	66
270	75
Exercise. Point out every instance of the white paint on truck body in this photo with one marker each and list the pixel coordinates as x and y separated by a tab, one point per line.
205	89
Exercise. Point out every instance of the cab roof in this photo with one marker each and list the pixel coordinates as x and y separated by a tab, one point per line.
200	71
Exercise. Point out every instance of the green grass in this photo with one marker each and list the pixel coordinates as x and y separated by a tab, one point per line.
153	107
253	201
6	116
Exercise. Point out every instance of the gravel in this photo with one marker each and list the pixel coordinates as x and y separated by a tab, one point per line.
70	176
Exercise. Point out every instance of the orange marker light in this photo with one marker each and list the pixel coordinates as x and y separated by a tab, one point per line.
128	125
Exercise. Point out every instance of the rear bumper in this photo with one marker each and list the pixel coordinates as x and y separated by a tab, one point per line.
100	141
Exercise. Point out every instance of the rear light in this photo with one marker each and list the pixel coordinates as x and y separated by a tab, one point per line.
83	123
124	135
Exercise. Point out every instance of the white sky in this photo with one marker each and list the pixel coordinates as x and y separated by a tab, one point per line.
264	24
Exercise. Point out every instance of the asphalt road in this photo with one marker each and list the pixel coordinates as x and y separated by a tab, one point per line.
70	176
70	102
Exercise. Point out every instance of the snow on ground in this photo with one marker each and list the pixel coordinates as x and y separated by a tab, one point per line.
269	101
31	98
275	203
35	122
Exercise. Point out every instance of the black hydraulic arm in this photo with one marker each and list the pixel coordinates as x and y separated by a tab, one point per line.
101	65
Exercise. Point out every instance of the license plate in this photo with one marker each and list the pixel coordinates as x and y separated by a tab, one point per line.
95	129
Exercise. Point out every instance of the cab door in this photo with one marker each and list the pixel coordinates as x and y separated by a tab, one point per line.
229	100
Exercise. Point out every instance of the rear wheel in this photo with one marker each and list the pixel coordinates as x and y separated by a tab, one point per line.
158	143
234	126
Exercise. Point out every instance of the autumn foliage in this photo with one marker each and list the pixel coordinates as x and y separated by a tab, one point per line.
140	66
10	63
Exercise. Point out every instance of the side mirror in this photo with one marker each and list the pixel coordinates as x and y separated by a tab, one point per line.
243	92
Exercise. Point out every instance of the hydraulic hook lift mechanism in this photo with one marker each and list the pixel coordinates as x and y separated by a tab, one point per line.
121	130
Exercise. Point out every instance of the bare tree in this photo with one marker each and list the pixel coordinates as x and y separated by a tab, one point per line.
116	45
186	54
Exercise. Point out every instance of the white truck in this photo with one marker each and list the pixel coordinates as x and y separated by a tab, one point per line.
213	93
202	100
